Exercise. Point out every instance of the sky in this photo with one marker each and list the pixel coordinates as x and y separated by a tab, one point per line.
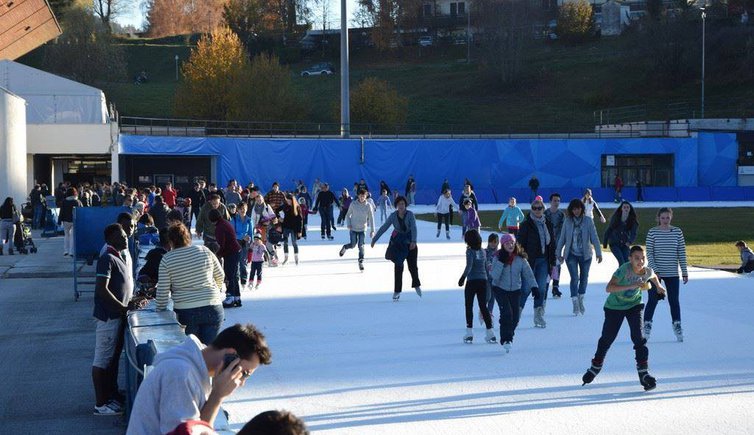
135	16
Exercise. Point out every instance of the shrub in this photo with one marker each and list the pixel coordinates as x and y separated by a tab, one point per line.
575	21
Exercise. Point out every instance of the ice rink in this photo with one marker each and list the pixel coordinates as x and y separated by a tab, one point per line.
349	360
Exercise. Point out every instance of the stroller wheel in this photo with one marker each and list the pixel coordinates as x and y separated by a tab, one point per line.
33	250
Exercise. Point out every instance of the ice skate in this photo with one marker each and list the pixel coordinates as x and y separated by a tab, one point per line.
646	380
678	330
418	291
582	309
468	338
490	336
447	235
438	234
361	265
556	294
342	251
229	302
295	259
507	346
591	372
647	330
575	301
285	259
539	317
396	296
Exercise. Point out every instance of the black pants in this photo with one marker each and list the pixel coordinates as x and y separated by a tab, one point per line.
325	213
443	218
230	267
613	322
508	302
342	215
412	268
478	288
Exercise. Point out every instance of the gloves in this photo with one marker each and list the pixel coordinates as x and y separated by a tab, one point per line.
660	296
535	292
461	281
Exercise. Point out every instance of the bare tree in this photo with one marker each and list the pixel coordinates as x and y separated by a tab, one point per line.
106	10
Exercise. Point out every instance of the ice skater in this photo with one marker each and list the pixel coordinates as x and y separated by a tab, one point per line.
359	218
624	302
476	286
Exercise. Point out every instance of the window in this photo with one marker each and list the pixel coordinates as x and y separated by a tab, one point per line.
461	8
454	9
428	10
652	169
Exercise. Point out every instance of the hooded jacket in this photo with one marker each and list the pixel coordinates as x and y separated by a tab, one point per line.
510	277
174	391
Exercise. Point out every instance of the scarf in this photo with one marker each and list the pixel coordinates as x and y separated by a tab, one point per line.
577	221
544	235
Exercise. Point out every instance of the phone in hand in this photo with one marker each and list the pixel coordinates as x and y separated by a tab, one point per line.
229	358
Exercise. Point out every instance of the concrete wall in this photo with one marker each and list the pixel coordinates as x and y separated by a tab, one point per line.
12	147
68	138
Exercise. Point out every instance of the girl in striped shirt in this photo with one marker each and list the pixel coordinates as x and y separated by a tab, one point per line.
666	251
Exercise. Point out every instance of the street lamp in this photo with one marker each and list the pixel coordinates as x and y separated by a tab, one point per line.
176	67
704	19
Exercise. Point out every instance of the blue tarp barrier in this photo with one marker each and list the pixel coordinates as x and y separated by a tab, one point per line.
498	168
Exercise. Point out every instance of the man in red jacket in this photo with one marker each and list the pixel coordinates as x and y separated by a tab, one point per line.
169	194
229	252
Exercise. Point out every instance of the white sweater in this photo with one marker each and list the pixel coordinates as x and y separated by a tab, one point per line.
443	204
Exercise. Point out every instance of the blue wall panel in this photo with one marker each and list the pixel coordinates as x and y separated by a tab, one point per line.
498	168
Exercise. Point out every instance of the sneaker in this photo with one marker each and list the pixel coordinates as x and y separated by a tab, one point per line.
507	346
678	330
116	405
396	296
647	330
342	251
490	336
418	291
106	410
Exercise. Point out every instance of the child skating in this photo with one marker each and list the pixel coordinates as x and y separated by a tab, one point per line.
257	253
624	302
384	204
476	286
510	269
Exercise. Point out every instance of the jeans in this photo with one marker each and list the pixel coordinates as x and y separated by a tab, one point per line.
411	196
541	270
672	285
413	254
203	322
230	267
613	322
383	213
326	214
357	239
68	237
7	233
243	262
287	232
620	251
39	210
443	217
578	268
507	302
478	288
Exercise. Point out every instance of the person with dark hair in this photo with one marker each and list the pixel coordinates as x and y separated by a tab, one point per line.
469	217
747	257
444	210
190	381
476	286
324	202
112	293
149	273
242	225
174	217
384	204
229	250
275	198
159	211
146	232
624	302
345	202
9	215
555	217
359	217
470	195
292	225
206	228
274	423
193	278
509	272
65	218
537	239
666	252
621	231
402	246
578	237
534	186
198	199
591	208
639	191
37	201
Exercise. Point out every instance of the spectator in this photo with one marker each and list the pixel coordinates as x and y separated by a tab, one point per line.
149	272
159	212
229	251
232	193
66	218
112	293
275	423
37	202
9	215
747	257
190	381
275	198
618	186
197	201
193	278
206	228
169	195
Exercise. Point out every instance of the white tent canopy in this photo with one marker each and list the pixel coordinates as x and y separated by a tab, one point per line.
53	99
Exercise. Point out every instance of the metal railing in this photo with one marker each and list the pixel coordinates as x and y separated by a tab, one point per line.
715	107
563	129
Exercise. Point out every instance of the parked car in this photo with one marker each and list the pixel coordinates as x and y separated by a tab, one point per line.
320	69
425	41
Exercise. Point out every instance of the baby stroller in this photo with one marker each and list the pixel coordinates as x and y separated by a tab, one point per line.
23	241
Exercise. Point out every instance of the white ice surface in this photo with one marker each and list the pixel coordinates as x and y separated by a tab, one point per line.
350	361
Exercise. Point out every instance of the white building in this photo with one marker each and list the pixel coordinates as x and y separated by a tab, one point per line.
68	132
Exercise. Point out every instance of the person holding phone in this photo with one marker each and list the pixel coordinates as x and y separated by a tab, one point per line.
190	381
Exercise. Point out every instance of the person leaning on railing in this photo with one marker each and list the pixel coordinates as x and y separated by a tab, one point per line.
193	278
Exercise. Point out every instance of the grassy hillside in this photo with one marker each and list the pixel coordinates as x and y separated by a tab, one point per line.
710	232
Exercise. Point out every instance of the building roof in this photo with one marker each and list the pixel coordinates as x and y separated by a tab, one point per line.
24	26
53	99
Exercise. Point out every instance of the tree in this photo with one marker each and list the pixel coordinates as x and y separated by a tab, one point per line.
106	10
247	18
389	17
375	101
505	26
85	52
575	21
213	78
270	95
180	17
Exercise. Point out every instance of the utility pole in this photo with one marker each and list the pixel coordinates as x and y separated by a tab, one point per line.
345	110
704	20
468	31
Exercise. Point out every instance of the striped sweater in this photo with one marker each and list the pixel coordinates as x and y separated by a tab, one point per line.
192	276
666	250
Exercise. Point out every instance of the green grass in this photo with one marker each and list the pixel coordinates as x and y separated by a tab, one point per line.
710	232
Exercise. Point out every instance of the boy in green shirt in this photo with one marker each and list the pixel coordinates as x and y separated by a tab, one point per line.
625	289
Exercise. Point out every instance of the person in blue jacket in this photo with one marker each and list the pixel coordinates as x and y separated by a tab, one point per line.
244	232
512	217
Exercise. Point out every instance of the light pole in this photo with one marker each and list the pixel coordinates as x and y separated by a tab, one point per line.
468	32
345	112
176	67
704	19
